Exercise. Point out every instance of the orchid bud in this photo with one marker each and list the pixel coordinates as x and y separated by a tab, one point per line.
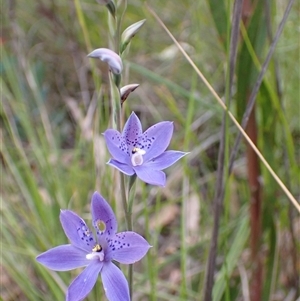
129	33
110	57
109	5
103	2
126	90
111	8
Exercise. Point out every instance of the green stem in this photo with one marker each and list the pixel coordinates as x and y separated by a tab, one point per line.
124	199
131	192
117	123
117	119
150	255
127	206
118	29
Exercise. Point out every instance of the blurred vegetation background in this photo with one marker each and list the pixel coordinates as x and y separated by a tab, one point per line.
55	105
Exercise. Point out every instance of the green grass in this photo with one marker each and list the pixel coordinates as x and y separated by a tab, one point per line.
55	105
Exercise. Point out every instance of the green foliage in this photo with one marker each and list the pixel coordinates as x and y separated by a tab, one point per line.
55	105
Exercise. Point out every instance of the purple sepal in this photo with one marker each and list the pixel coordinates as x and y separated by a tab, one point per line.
151	176
117	146
104	219
157	138
76	230
63	258
126	169
114	283
84	282
128	247
165	160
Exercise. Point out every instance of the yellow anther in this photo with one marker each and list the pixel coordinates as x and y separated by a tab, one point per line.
135	150
97	248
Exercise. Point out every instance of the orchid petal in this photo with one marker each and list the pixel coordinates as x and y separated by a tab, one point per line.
132	131
127	247
114	283
126	169
84	282
165	160
76	230
150	176
63	258
117	146
104	219
156	139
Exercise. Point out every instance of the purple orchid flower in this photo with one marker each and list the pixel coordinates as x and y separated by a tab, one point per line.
97	255
143	154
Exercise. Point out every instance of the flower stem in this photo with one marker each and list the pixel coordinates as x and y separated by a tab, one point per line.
127	206
131	193
117	123
124	200
130	279
118	27
117	119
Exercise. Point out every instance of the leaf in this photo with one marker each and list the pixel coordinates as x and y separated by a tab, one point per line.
219	14
231	259
246	71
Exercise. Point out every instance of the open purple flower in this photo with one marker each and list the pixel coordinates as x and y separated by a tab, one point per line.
143	154
95	254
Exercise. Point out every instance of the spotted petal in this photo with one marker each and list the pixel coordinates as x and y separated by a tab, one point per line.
150	176
76	230
63	258
132	131
84	282
104	219
117	146
156	139
165	160
128	247
114	283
